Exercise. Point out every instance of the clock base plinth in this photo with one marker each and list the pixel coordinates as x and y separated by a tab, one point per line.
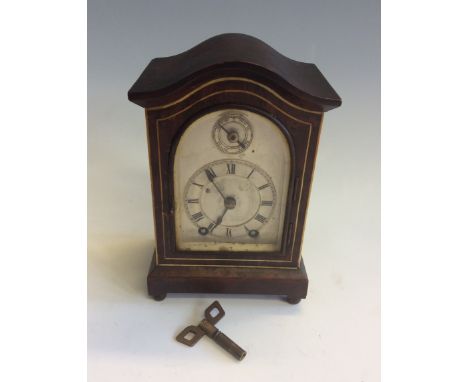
291	283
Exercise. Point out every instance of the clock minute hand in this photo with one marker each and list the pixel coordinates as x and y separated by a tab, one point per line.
217	188
210	174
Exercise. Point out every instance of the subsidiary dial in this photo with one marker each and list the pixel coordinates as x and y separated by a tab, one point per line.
229	199
232	132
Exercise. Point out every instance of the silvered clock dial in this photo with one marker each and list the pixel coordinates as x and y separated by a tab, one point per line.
231	177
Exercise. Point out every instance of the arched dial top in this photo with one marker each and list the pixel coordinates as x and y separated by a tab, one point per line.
231	179
243	56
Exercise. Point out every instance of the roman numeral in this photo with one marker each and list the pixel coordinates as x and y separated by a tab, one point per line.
211	226
262	219
251	172
267	202
210	174
197	217
231	168
197	184
193	200
264	186
228	232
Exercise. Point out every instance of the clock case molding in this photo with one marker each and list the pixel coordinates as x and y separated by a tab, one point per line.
241	72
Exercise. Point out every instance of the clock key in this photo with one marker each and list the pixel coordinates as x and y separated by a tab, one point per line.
192	334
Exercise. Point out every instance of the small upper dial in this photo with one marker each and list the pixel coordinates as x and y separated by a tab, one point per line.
230	198
232	132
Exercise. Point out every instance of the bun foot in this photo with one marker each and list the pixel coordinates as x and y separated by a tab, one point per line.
160	297
293	300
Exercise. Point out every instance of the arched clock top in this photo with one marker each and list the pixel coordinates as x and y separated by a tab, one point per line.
230	57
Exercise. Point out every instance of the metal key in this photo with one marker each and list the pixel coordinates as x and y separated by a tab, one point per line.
192	334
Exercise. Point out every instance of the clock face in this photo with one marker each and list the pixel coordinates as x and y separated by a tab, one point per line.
231	177
229	199
232	133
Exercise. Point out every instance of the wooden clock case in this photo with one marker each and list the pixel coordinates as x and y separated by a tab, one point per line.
242	72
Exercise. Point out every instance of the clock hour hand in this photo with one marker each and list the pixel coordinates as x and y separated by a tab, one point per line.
220	219
212	226
229	204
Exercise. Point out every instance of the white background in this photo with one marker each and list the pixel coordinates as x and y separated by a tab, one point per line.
43	218
334	335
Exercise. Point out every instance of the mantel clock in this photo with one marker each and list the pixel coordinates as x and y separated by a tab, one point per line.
233	128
